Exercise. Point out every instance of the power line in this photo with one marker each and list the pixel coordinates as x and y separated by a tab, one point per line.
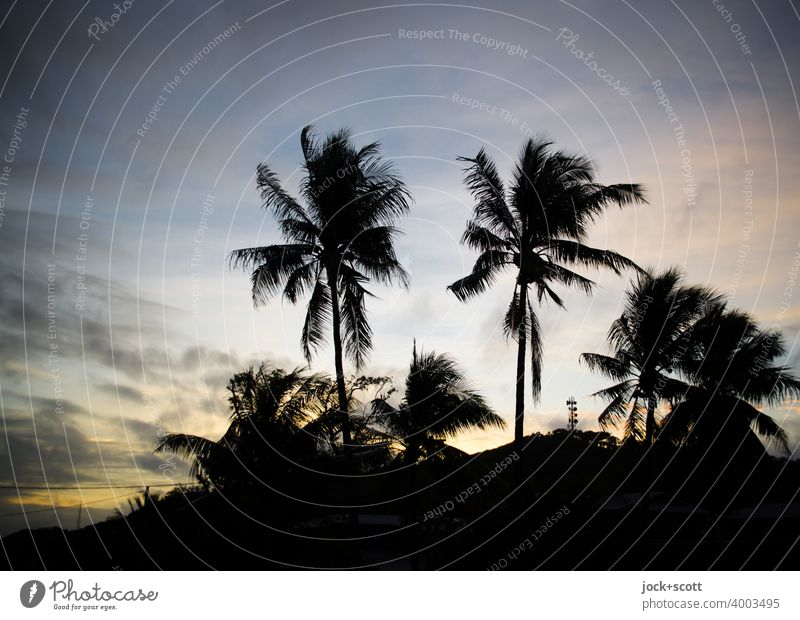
51	508
97	501
100	486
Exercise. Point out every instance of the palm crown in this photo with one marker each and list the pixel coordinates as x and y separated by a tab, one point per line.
730	370
648	342
438	404
268	410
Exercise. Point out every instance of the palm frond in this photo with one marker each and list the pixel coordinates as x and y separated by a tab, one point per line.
199	451
275	197
772	385
635	423
574	252
300	280
515	315
299	231
612	367
536	350
372	251
485	271
317	320
483	181
308	143
272	265
569	278
621	194
480	238
766	428
356	332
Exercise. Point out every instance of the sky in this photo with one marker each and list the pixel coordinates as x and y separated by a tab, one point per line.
130	135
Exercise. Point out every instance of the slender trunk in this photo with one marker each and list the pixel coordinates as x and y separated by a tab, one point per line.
352	554
650	422
417	510
522	336
337	353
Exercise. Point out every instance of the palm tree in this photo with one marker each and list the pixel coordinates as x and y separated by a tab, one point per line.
538	228
729	372
340	239
648	342
438	404
268	410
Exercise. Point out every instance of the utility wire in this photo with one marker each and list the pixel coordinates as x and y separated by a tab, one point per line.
100	486
76	488
51	508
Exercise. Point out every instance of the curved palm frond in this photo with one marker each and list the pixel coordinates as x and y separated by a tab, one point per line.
315	327
275	197
372	252
198	450
766	428
487	267
612	367
480	238
536	351
272	266
636	422
483	181
569	278
573	252
356	329
619	396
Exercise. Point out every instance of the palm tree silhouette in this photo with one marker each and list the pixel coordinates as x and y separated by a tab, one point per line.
438	404
730	371
268	410
342	238
538	227
648	342
281	420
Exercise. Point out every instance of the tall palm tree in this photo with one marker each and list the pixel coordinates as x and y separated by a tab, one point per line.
268	410
648	342
342	237
730	371
537	228
438	404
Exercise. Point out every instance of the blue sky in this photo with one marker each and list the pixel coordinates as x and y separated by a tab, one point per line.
154	322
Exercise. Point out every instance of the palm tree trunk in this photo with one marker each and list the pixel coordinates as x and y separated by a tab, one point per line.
650	422
337	354
522	336
352	554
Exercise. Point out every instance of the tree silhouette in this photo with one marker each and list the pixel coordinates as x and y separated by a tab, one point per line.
372	447
648	342
268	410
438	404
730	370
342	238
538	228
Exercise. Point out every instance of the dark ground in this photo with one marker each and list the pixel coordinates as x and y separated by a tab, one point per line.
559	503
